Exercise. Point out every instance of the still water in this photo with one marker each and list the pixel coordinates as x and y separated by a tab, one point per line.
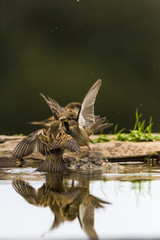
111	205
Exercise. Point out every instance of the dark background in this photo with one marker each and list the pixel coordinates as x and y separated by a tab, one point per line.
61	47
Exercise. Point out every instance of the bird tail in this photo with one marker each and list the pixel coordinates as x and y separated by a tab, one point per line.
36	123
52	166
98	125
96	202
40	123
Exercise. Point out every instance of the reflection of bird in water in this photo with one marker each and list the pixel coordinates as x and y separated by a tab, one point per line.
86	214
70	107
82	124
52	194
66	202
51	143
83	206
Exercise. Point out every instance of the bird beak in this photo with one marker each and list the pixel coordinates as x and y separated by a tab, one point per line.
63	119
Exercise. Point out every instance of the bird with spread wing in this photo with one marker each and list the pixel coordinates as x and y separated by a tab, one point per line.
80	125
50	143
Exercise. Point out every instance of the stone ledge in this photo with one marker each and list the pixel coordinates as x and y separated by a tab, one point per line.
98	156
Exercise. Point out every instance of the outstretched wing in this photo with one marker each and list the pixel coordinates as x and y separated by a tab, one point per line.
70	143
86	214
86	114
86	220
54	106
26	191
64	141
29	144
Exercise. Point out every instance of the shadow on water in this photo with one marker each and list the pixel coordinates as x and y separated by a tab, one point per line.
66	201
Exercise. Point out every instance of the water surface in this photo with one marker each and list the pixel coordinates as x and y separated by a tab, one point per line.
113	205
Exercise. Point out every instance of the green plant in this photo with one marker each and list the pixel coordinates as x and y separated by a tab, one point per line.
100	139
139	132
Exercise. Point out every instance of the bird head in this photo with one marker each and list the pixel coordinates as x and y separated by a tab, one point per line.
55	126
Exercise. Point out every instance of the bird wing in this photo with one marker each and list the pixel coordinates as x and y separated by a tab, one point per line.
86	220
86	214
28	145
54	106
26	191
69	143
64	141
86	114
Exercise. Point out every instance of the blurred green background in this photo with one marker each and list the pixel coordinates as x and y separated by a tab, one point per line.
61	47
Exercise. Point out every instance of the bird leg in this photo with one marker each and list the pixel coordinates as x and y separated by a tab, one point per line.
20	162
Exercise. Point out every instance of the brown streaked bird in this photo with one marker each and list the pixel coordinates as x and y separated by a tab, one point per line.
85	116
80	134
70	107
51	143
81	125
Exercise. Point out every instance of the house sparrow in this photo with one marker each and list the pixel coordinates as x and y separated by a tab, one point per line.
51	143
70	107
85	115
80	126
80	134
